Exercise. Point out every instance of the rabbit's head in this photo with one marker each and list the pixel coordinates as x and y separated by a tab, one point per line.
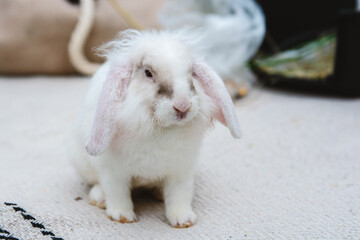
157	80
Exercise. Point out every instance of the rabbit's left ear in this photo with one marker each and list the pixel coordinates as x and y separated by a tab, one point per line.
215	88
113	91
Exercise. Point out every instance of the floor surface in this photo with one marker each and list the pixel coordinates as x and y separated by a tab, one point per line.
295	174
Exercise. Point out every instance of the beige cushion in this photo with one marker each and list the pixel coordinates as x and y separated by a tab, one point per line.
34	34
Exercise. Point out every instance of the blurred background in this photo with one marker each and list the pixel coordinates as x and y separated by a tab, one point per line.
292	65
307	45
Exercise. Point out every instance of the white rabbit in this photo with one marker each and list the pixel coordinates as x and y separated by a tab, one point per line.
143	122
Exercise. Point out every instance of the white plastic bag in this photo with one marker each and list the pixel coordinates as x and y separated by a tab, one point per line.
233	30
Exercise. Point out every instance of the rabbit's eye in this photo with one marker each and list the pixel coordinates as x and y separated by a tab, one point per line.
148	73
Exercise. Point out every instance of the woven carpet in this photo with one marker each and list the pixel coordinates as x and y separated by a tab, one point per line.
295	174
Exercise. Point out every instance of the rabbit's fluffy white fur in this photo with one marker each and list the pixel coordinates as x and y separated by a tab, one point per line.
143	121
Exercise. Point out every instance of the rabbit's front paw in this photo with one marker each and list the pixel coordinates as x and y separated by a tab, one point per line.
121	216
97	197
181	218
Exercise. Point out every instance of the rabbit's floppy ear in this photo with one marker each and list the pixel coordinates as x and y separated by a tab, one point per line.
113	90
215	88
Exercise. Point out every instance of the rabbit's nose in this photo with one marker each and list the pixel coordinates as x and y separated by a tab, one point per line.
181	114
181	108
182	105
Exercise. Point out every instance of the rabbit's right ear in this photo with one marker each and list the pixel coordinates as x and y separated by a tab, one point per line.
113	91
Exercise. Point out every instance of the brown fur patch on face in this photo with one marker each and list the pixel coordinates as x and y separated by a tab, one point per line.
191	83
165	90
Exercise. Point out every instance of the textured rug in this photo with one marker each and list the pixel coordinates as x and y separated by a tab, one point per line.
295	174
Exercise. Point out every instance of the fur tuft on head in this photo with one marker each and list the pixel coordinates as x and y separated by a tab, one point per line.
130	39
